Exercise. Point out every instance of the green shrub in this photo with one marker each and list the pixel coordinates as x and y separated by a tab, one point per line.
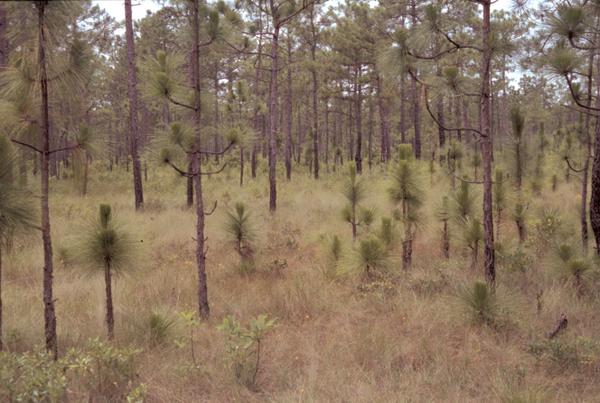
563	354
102	370
244	344
479	302
31	377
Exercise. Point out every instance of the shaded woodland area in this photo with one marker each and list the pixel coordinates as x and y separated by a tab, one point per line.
277	200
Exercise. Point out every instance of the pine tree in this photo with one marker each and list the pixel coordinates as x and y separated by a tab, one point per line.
108	248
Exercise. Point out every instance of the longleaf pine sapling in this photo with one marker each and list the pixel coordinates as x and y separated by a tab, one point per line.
109	249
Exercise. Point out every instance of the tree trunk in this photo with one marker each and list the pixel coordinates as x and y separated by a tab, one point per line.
133	108
258	119
315	86
203	307
383	120
288	113
273	117
110	318
586	165
358	155
446	240
49	309
1	343
486	148
370	135
416	99
241	166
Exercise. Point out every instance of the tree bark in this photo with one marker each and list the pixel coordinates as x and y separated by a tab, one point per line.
416	99
110	316
203	307
486	148
273	112
383	120
358	90
133	108
49	308
288	113
315	87
586	164
1	309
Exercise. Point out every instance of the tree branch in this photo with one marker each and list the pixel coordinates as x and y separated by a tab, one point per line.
32	147
179	103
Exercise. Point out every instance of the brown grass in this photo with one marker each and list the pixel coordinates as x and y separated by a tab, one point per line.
333	343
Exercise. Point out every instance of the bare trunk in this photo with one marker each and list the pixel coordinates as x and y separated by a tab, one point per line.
315	104
203	307
416	99
49	309
358	155
110	318
241	166
446	240
133	108
383	121
288	114
486	149
1	343
586	165
258	118
273	113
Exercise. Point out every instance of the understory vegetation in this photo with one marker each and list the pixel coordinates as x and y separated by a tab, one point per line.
300	201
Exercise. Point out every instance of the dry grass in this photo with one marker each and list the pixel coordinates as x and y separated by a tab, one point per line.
333	342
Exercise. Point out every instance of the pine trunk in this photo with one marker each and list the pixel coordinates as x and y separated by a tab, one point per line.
203	307
1	342
110	316
486	149
273	113
133	108
288	114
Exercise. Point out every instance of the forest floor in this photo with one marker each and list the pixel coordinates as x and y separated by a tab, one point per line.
337	339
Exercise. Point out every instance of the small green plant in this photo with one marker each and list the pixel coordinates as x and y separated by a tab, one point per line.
333	254
463	203
573	267
454	157
106	247
386	231
472	237
103	370
239	227
513	260
480	303
32	377
159	328
244	346
405	192
549	228
519	217
191	324
354	190
567	354
443	215
372	256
